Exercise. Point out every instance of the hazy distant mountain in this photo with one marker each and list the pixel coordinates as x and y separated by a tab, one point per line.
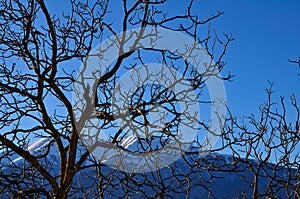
181	179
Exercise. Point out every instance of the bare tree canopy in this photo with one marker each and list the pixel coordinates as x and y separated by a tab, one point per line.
70	79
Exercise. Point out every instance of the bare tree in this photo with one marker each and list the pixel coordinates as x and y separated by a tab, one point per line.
265	149
40	49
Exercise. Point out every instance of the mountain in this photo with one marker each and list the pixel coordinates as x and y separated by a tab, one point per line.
187	177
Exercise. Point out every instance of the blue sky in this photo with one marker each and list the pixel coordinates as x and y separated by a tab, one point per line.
267	34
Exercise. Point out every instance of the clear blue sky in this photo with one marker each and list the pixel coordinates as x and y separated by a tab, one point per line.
267	34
